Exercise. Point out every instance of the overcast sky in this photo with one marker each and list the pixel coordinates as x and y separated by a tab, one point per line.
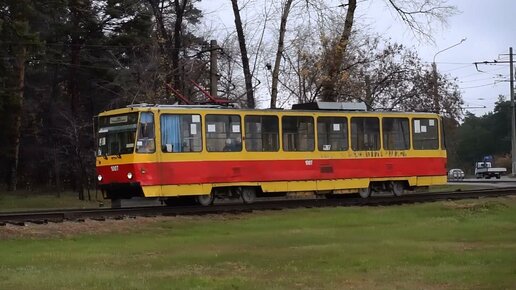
489	27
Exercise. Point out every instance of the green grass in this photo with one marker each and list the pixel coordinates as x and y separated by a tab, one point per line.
449	245
23	200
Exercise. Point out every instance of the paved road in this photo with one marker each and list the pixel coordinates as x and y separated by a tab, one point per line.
504	181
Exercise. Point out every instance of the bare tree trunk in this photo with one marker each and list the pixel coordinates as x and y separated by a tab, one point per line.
180	7
53	122
279	52
164	39
76	7
76	43
16	107
57	171
170	45
368	93
245	58
79	165
300	79
334	58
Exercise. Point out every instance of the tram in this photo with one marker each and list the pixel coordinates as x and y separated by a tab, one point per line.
209	151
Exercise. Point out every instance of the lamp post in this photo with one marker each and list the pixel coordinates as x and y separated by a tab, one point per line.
434	70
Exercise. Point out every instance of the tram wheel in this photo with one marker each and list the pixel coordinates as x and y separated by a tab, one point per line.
248	195
205	200
365	192
397	188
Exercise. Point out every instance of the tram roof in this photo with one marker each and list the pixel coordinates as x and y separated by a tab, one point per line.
325	107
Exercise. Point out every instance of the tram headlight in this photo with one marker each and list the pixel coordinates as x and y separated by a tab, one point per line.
99	177
129	175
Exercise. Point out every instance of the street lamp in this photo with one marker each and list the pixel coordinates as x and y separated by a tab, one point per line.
434	70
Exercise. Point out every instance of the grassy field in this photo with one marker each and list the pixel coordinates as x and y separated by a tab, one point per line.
448	245
25	200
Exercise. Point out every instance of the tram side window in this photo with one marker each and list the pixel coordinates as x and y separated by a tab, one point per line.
181	133
425	134
298	133
396	134
145	142
223	133
332	133
365	133
261	133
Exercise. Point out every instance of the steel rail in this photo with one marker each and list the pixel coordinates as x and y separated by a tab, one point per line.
60	215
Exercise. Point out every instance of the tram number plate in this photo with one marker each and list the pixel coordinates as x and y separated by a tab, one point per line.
114	168
309	162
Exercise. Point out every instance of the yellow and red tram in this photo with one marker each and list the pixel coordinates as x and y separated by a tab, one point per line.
208	151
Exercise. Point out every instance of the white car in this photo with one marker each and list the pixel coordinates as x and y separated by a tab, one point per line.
455	174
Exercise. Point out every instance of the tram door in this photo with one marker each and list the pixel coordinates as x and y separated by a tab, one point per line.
146	142
147	151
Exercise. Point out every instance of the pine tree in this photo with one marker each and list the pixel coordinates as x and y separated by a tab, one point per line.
15	41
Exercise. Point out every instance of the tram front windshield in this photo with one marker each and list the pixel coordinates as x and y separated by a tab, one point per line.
117	134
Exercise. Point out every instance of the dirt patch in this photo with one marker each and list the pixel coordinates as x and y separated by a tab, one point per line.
477	205
68	229
72	228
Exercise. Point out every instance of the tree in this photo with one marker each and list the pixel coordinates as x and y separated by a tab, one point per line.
476	134
133	55
336	54
383	75
394	78
172	37
279	53
15	38
78	65
243	52
418	15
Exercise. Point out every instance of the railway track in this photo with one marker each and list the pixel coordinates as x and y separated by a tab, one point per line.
56	216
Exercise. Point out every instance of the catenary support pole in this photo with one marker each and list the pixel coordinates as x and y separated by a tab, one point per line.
513	113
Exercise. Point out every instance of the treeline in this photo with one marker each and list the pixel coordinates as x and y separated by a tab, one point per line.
488	135
64	61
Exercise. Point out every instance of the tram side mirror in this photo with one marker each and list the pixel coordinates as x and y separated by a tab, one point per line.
168	147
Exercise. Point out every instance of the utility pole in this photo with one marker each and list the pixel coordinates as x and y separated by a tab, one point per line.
437	107
214	52
513	107
513	123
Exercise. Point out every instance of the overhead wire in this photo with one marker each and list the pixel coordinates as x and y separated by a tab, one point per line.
478	80
458	68
479	86
476	73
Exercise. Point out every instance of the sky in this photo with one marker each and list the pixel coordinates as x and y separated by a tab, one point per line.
489	32
486	25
